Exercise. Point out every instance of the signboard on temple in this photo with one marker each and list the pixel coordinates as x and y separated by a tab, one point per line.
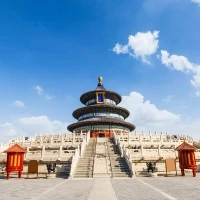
100	97
15	160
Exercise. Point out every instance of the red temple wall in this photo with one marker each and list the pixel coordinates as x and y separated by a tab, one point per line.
96	133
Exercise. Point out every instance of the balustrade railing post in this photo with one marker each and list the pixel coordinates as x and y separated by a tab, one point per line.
142	150
159	150
60	153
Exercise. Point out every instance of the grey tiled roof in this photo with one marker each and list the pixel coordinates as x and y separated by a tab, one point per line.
101	108
101	121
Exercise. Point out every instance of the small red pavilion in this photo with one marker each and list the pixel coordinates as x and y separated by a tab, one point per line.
187	158
15	159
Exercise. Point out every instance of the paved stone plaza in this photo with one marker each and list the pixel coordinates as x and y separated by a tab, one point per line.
160	188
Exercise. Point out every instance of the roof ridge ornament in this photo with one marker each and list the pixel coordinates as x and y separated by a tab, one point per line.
100	79
100	84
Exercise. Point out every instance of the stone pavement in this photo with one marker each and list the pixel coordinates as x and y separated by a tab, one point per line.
102	189
140	188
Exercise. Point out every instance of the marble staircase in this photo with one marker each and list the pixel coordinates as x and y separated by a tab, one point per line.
85	165
102	167
119	166
101	158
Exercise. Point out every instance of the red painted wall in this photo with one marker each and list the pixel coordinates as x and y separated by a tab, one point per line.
107	133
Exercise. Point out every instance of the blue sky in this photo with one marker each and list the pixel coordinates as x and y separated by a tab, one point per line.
53	51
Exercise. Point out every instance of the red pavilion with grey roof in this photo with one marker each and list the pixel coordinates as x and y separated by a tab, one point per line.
15	159
187	158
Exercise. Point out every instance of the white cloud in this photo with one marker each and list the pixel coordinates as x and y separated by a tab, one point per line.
168	98
18	103
49	97
119	48
143	113
8	129
40	124
181	63
142	45
28	126
147	117
198	93
196	1
39	89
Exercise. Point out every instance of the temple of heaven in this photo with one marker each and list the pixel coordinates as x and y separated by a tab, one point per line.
101	115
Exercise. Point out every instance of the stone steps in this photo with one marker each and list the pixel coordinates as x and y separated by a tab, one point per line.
118	162
120	171
101	175
104	151
119	166
83	172
82	176
84	168
121	176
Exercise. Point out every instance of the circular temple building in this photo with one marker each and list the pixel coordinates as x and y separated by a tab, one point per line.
101	115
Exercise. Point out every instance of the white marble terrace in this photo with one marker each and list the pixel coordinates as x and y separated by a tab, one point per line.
141	148
48	147
136	148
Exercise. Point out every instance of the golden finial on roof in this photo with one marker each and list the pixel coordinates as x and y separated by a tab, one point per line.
100	79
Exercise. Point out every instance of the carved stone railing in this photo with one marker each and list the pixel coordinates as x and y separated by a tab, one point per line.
74	163
47	140
82	146
128	160
117	142
78	154
124	153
